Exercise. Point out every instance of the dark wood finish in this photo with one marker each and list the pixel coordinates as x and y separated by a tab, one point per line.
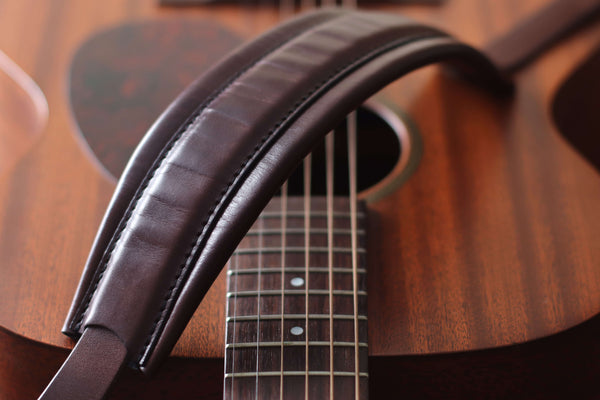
257	267
493	242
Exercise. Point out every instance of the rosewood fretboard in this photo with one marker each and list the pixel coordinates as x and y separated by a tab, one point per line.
275	349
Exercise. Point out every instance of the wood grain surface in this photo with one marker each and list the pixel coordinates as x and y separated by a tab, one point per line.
494	241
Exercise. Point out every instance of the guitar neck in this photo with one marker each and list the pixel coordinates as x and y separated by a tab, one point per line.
296	311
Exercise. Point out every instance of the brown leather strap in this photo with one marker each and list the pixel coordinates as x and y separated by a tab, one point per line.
90	369
162	131
210	181
523	43
214	159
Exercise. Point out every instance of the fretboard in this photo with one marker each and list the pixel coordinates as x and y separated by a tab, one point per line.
296	312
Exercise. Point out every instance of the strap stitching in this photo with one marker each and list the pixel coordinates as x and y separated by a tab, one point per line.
196	241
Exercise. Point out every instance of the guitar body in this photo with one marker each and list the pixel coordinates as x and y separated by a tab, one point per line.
483	280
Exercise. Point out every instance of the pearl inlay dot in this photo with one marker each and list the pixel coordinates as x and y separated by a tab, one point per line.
297	282
297	330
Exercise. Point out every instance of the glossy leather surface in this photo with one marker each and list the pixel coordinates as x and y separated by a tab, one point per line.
157	138
210	164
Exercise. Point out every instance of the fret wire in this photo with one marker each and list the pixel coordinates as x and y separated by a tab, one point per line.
291	343
300	231
329	144
271	317
315	270
284	194
296	373
295	249
307	215
313	214
292	292
351	129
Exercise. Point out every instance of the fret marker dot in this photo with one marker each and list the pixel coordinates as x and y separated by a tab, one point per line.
297	282
297	330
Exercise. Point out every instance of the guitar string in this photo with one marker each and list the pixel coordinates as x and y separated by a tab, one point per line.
307	4
284	196
307	188
351	127
236	268
352	137
329	156
329	145
258	297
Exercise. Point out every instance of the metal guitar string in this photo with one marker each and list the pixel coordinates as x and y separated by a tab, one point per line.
260	246
352	137
307	215
284	197
329	150
329	159
351	127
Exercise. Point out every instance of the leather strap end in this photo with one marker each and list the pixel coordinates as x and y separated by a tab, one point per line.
90	369
537	33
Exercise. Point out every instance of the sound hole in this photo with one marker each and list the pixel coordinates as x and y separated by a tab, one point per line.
379	150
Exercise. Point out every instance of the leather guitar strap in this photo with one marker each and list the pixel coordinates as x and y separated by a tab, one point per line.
524	42
209	165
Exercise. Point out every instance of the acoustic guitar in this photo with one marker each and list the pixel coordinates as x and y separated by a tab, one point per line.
481	265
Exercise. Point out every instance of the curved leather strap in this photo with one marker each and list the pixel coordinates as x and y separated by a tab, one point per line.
538	32
211	163
217	171
157	137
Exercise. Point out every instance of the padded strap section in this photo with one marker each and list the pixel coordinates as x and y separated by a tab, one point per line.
162	131
211	179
